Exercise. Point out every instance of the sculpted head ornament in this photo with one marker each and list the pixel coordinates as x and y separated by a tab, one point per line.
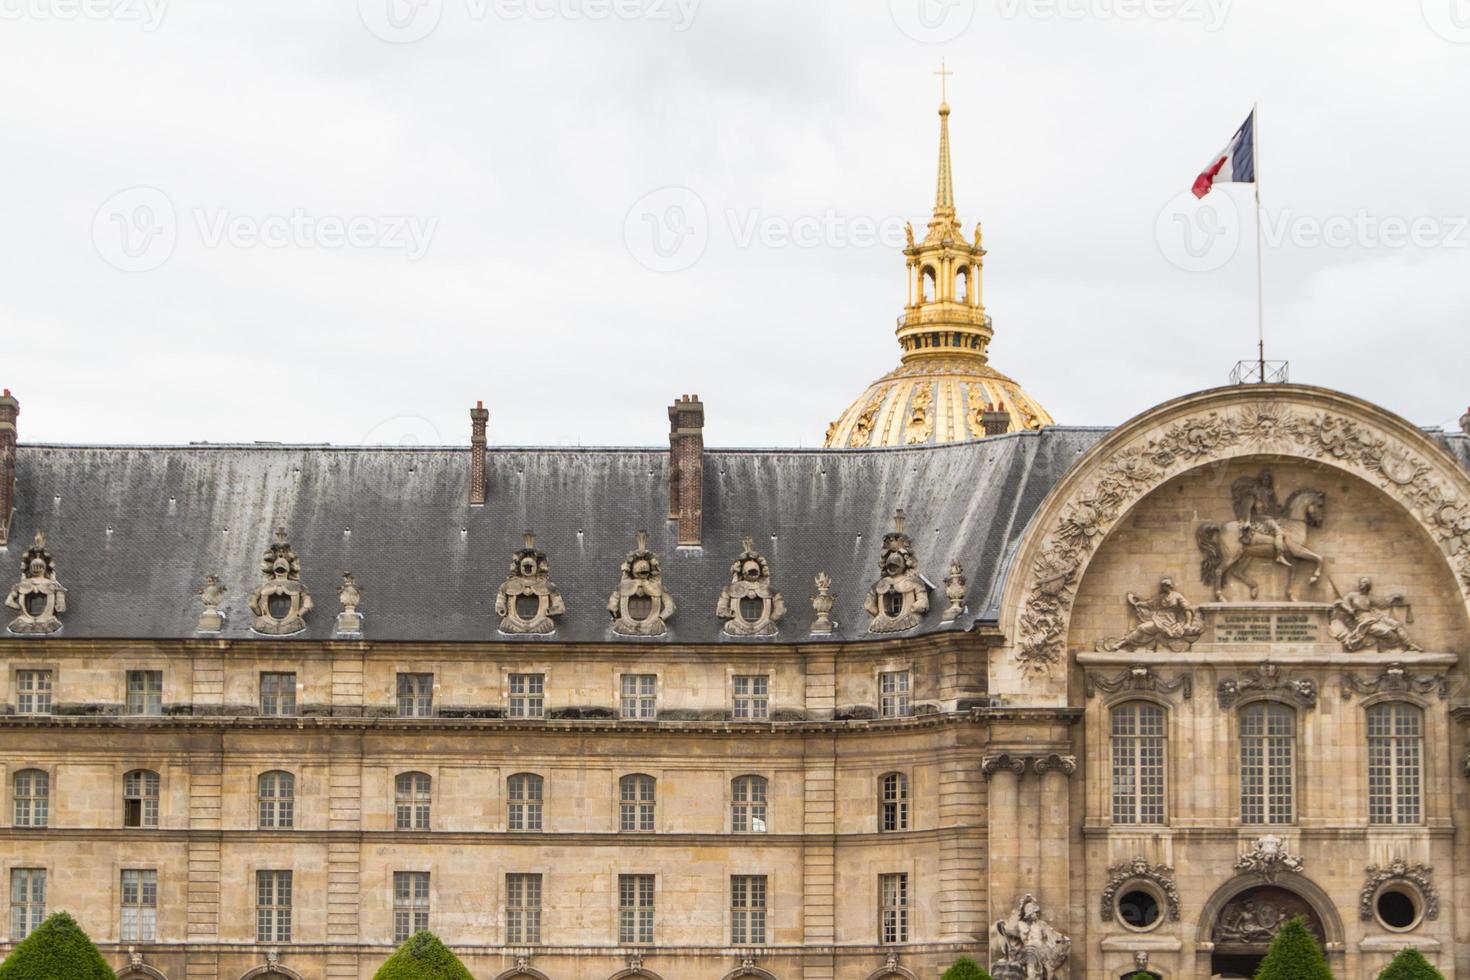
749	605
38	599
641	606
280	602
528	601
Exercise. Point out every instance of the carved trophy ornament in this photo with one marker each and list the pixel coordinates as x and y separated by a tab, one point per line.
641	606
954	591
38	599
898	600
1265	528
1026	947
528	601
1269	858
822	604
211	594
748	605
1166	619
1359	621
280	602
349	620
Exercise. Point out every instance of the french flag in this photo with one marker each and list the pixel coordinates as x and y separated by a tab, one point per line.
1236	164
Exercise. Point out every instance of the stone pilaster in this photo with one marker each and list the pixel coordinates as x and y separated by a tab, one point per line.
819	870
1004	774
1054	836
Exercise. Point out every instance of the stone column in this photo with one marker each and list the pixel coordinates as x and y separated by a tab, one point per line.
1055	837
1003	772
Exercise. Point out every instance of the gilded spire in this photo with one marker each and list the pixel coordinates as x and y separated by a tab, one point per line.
944	192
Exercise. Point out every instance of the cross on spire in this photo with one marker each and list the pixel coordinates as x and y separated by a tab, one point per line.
943	74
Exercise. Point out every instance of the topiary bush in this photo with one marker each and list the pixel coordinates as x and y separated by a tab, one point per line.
965	968
1294	955
421	957
1410	965
58	949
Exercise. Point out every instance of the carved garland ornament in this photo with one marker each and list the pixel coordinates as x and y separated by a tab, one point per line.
1137	677
1134	471
1267	678
1161	875
1398	870
1395	679
1269	858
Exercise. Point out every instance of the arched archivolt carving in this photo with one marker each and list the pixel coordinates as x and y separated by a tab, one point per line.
1318	900
749	971
892	973
1212	427
140	971
271	972
635	973
522	973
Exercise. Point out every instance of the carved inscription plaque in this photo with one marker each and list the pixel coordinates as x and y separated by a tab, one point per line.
1240	626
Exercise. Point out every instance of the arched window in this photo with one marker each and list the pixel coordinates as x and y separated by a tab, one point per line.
926	284
1395	763
1267	763
277	800
32	798
524	796
1138	763
636	801
140	798
748	805
893	797
411	801
962	284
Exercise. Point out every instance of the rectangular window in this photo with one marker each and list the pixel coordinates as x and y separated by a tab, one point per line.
145	692
278	694
410	903
32	798
748	910
523	910
273	906
27	901
140	798
639	699
139	905
753	697
415	695
893	908
635	910
1267	763
893	690
528	695
1138	764
1395	766
33	692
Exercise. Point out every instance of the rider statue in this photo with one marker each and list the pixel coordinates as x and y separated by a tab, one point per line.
1257	508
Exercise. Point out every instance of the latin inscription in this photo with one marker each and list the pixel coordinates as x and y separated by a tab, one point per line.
1266	627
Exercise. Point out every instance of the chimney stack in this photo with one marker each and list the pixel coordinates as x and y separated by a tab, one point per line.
686	467
9	409
478	417
996	420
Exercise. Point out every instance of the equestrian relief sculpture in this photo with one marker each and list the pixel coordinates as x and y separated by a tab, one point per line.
1263	528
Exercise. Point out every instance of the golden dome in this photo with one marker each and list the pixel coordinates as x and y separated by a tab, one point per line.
945	390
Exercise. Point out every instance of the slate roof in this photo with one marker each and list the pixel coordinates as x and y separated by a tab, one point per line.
134	530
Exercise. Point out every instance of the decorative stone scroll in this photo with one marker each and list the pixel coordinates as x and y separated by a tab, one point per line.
1398	870
1167	619
822	604
349	620
38	598
1395	679
1137	677
1026	947
1064	764
1267	678
1300	422
1161	875
749	605
211	594
528	601
280	602
1268	858
900	598
992	764
1359	620
641	606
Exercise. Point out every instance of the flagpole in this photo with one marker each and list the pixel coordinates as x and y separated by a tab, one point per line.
1260	264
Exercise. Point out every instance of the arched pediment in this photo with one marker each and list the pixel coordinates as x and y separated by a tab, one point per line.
1323	920
271	971
140	971
522	973
749	971
635	973
892	973
1326	428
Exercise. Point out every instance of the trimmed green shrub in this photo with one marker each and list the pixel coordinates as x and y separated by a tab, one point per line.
421	957
58	949
1294	955
965	968
1410	965
1142	976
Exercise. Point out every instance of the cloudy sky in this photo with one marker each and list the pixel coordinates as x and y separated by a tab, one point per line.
344	221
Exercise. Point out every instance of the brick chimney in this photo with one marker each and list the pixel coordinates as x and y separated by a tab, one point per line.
996	420
686	467
479	415
9	409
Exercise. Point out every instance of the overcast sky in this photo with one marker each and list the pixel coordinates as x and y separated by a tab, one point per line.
342	221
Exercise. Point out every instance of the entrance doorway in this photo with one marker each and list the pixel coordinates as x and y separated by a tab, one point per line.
1236	966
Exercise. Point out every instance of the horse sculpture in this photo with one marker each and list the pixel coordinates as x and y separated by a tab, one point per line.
1229	547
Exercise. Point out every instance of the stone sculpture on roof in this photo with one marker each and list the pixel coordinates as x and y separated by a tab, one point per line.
749	605
528	601
900	598
280	602
38	598
640	606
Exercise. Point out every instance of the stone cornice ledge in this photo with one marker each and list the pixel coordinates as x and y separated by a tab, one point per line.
1251	657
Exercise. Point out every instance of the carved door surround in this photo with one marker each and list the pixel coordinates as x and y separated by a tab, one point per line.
1295	421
